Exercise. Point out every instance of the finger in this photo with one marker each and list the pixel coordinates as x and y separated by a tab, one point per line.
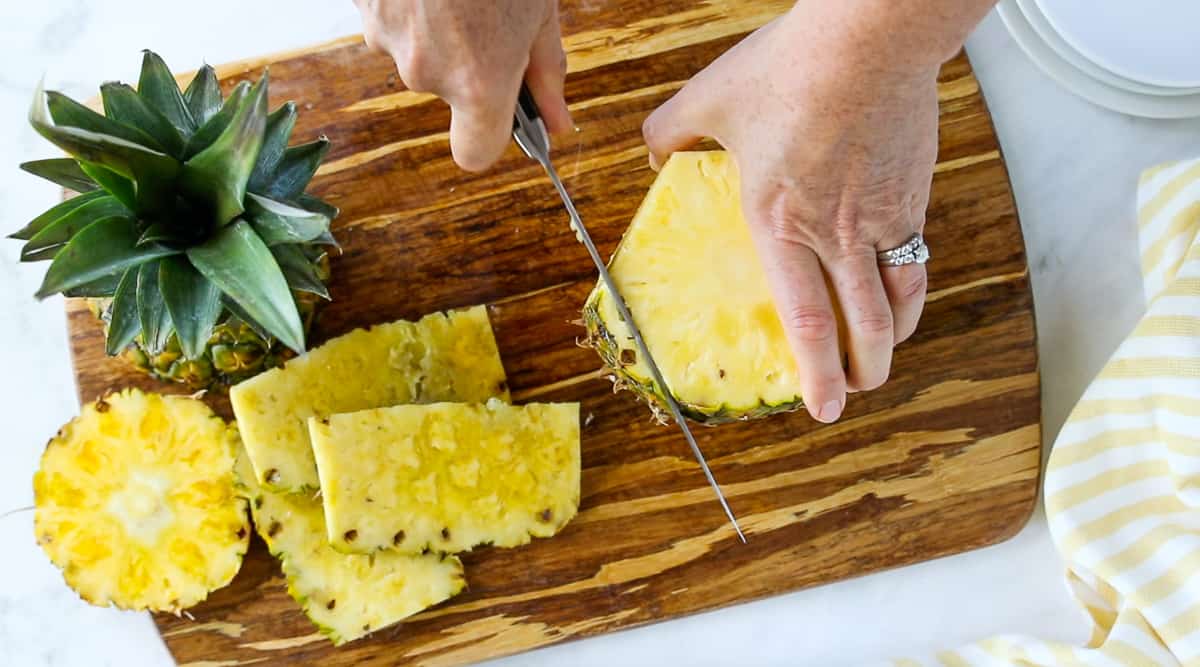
868	315
546	75
481	128
802	300
673	126
905	287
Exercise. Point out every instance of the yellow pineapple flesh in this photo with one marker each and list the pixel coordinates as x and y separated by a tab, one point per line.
442	357
347	596
447	476
692	279
136	502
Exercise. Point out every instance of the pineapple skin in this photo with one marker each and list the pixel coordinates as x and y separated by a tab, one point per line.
442	357
690	275
447	476
136	502
346	596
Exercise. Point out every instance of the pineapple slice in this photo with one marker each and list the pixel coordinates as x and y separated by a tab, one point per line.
345	595
443	357
136	503
447	476
691	276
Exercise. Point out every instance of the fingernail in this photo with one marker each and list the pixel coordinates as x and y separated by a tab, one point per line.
654	162
830	412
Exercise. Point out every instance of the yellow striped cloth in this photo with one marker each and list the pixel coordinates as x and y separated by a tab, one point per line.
1122	486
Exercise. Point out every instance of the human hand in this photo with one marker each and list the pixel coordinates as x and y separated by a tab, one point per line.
474	55
835	139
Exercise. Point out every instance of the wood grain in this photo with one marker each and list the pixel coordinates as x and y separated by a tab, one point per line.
942	459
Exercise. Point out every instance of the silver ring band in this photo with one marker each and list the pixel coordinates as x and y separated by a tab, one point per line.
912	251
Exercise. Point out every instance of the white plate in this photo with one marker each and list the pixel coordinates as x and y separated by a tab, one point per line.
1093	90
1041	25
1152	41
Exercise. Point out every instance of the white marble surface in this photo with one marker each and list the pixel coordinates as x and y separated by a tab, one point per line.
1073	167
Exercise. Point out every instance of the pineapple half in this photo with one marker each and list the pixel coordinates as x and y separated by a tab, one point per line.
692	279
448	476
136	502
346	595
192	234
443	357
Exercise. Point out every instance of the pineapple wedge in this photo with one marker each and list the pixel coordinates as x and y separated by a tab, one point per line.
443	357
346	595
447	476
691	276
136	502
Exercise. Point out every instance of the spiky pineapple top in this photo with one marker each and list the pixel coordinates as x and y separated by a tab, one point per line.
191	209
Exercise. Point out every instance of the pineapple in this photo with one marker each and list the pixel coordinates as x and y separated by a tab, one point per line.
345	595
447	476
443	357
691	278
136	502
192	234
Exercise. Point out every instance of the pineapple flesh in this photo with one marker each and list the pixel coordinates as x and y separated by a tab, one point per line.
443	357
447	476
136	502
347	596
692	279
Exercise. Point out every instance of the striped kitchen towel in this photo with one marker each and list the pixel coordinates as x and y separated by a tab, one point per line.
1123	482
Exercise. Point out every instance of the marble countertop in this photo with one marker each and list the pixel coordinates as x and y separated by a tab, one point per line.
1074	169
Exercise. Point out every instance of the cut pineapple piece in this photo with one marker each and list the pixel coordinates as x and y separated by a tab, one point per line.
136	503
443	357
692	279
346	595
447	476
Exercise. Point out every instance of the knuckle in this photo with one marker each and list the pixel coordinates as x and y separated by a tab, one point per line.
914	286
811	323
875	326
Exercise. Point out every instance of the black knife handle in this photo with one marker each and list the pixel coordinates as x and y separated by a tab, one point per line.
525	101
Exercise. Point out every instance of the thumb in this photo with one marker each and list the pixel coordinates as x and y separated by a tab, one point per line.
674	126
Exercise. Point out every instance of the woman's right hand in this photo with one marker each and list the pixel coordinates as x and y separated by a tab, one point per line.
474	55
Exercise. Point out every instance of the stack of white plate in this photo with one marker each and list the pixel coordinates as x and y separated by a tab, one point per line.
1140	57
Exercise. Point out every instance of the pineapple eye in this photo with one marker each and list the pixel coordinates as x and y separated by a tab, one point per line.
628	357
331	605
350	535
274	529
398	538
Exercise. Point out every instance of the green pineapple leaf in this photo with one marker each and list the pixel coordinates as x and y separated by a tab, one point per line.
66	112
123	324
216	124
279	129
157	86
311	203
278	223
152	312
124	105
193	302
296	169
106	246
300	271
159	232
104	287
203	95
153	172
54	213
219	173
112	182
238	262
61	230
61	171
236	310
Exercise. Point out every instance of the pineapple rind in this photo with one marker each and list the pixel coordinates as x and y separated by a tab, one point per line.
448	476
367	593
136	502
442	357
690	274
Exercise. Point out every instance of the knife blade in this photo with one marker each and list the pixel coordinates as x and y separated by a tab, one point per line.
529	131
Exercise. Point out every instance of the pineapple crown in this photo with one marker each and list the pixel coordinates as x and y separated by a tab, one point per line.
191	209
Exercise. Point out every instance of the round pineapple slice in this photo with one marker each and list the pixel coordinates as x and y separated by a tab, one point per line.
136	504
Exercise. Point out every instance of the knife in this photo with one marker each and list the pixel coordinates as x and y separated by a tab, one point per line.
530	134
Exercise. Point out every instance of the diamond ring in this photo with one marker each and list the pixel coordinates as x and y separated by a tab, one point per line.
912	251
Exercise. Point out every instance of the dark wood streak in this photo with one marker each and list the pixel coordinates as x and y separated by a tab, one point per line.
942	459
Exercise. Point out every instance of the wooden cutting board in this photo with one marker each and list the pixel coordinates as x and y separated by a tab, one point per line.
942	459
